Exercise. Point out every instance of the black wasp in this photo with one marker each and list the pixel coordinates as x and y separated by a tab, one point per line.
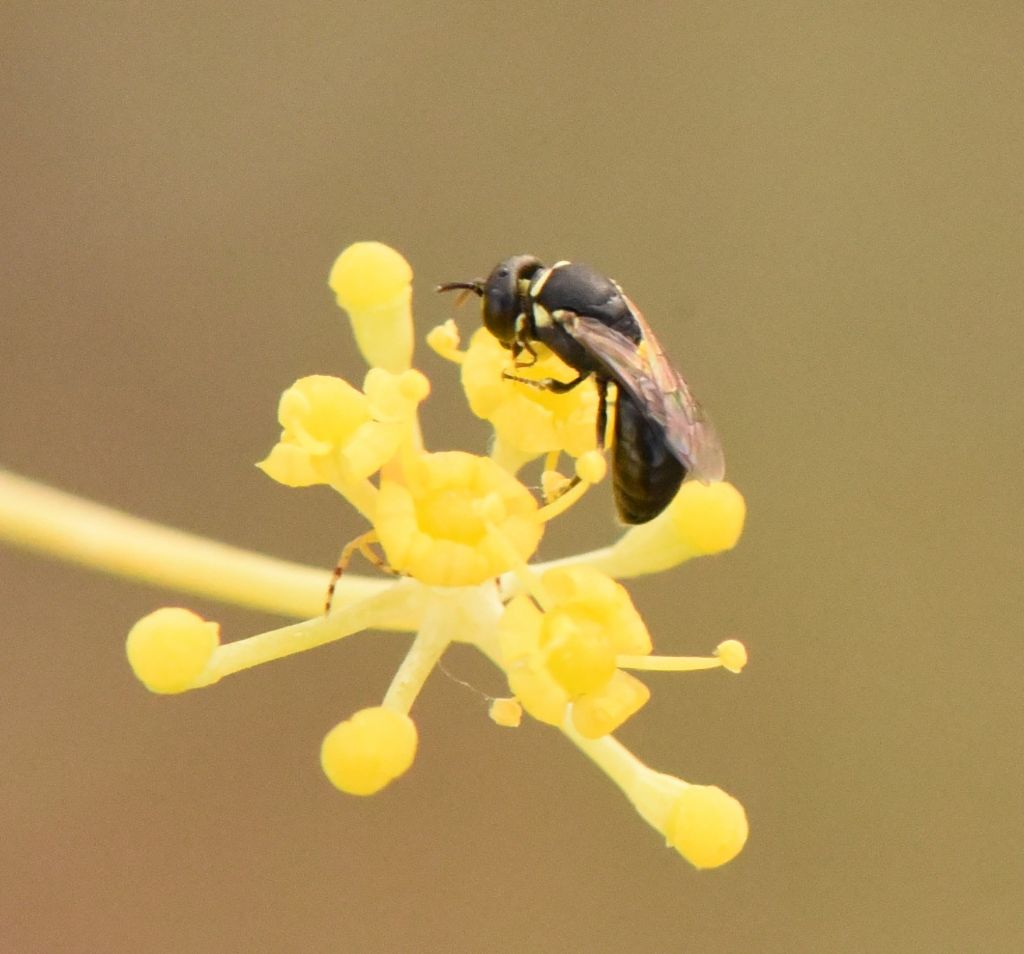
661	433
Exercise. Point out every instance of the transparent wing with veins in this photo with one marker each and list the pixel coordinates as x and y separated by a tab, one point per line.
645	372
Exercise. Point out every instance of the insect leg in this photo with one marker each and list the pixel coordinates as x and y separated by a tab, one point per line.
548	384
518	347
602	411
362	544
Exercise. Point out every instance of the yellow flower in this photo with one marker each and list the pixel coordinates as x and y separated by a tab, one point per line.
568	651
333	434
459	529
373	283
532	420
453	518
320	417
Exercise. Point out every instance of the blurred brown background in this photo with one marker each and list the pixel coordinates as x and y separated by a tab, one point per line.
819	208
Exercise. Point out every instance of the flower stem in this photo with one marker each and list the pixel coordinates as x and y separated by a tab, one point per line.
374	612
433	638
651	793
668	663
62	525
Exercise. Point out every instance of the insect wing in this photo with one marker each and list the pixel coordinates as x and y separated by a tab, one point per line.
647	374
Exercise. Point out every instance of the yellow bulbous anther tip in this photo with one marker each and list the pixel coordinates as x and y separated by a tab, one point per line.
369	275
591	467
365	753
707	826
414	386
507	713
553	484
444	340
733	655
170	648
709	517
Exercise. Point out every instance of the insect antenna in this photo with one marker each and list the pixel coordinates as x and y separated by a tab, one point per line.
476	287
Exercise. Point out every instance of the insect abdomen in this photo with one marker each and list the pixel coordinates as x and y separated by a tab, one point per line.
646	475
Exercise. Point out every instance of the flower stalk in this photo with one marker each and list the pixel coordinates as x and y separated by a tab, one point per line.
460	531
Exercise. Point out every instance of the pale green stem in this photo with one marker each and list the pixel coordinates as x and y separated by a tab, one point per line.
434	637
648	548
59	524
400	601
653	794
668	663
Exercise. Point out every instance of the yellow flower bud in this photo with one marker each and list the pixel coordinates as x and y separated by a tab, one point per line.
507	713
368	751
708	517
733	655
320	416
701	520
373	283
170	648
707	826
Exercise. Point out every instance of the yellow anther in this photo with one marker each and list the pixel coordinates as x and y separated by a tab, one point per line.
169	649
553	485
707	826
368	751
506	712
591	467
708	517
733	655
444	341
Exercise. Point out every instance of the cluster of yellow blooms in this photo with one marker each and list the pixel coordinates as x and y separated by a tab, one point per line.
458	530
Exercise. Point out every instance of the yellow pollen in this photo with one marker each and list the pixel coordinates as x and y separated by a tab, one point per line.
506	712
